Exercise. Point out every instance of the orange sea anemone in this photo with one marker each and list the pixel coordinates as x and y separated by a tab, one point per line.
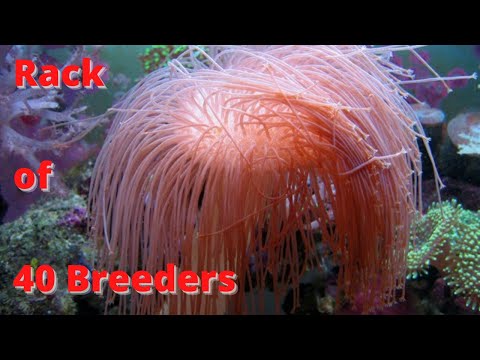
212	164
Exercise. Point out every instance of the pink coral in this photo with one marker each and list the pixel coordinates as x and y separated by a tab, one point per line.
456	84
433	92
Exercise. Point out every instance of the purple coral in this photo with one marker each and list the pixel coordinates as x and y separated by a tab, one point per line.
433	92
37	124
460	83
77	218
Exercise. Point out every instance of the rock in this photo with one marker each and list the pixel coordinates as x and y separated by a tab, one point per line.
466	194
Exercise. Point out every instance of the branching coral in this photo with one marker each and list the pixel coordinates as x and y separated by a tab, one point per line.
37	122
448	238
47	104
214	163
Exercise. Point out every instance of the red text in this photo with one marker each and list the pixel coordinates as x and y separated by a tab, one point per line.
26	180
73	76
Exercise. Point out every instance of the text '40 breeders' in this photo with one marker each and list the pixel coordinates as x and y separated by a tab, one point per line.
81	281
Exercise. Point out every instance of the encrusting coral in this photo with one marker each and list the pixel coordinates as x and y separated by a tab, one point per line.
218	163
43	235
448	238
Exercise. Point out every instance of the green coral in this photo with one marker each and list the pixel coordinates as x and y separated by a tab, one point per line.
448	238
429	235
156	56
36	238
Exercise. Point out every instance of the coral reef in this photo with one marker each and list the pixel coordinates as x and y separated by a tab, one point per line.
295	241
447	237
42	236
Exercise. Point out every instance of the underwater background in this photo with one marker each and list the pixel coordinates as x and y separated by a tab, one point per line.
443	261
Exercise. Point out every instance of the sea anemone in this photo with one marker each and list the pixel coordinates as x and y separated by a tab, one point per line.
210	164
